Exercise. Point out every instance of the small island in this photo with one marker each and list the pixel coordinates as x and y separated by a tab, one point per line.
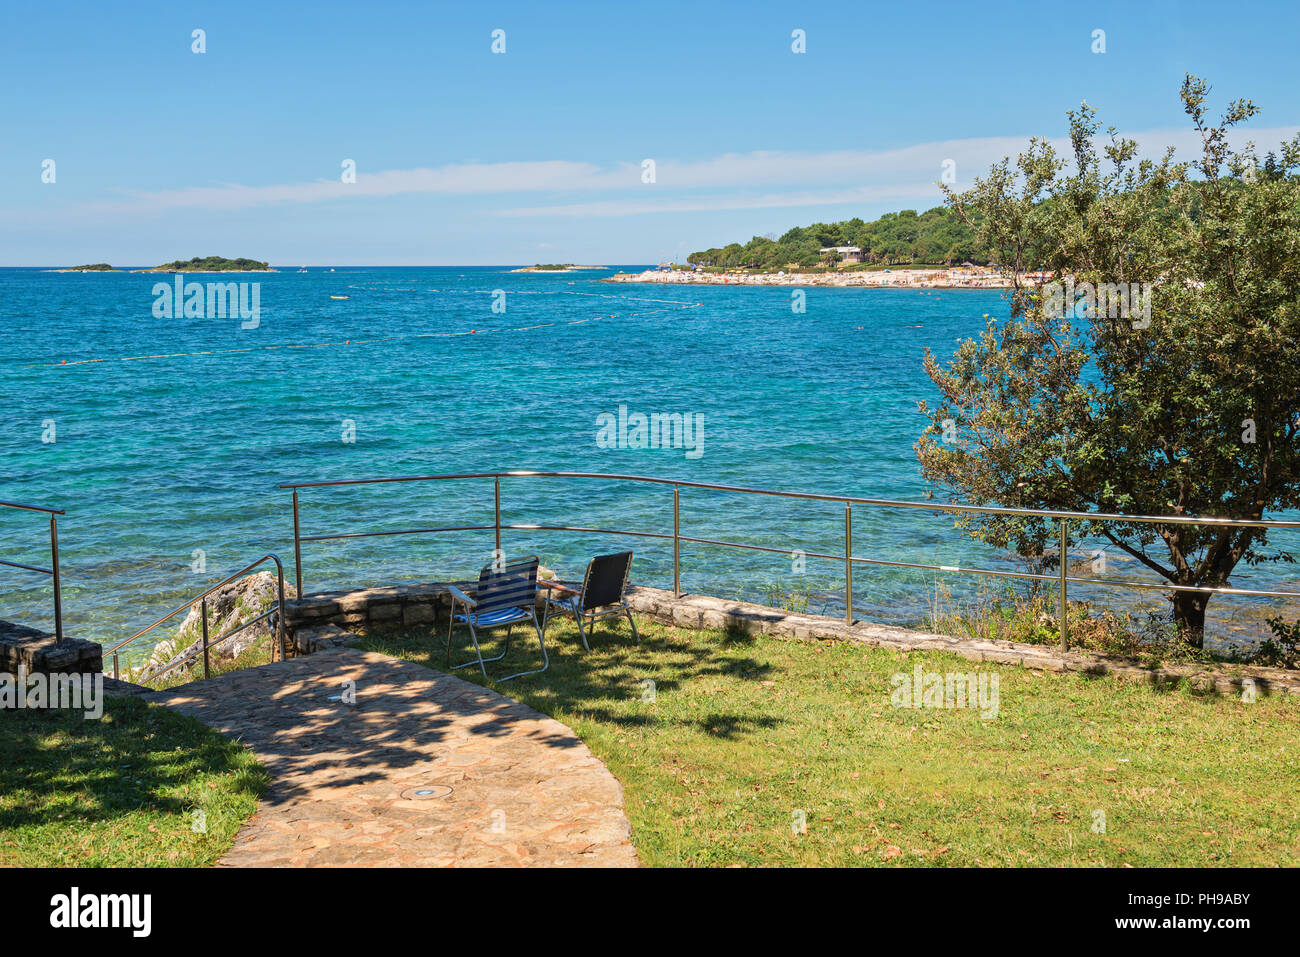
555	267
211	264
93	267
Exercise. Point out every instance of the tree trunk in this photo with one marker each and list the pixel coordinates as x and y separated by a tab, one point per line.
1189	616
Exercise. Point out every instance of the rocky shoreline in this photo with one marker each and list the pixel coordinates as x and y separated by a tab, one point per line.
877	279
565	269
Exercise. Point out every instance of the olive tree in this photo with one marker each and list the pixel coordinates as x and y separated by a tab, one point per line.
1152	367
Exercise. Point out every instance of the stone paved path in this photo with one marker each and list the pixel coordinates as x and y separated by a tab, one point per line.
505	785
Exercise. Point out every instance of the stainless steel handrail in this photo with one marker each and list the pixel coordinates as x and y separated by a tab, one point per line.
202	600
53	570
1063	579
204	647
817	496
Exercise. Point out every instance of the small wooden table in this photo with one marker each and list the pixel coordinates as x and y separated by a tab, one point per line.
565	601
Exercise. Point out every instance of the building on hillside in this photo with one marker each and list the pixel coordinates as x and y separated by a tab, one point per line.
848	254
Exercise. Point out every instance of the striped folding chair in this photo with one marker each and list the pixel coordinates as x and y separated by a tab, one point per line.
602	595
506	595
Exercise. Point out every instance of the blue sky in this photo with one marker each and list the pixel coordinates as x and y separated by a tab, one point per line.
468	157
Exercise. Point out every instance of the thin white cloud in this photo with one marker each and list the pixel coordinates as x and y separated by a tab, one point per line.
918	164
637	207
814	178
459	179
902	175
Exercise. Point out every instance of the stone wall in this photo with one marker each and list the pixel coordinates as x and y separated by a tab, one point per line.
325	619
38	652
701	611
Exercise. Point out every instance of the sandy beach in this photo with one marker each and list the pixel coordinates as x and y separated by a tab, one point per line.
957	278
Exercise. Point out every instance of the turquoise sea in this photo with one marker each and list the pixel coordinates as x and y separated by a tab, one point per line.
181	451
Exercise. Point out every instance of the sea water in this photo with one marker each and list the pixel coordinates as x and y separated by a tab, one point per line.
165	437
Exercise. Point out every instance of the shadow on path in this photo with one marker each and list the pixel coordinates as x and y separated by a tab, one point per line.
420	769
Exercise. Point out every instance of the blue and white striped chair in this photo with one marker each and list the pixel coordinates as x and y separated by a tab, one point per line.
506	595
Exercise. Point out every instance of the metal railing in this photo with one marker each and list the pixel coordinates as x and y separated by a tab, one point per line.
1063	519
53	570
204	645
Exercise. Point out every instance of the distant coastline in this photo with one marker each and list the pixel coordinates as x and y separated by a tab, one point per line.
959	278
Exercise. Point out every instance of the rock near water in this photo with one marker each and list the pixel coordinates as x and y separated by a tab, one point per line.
229	607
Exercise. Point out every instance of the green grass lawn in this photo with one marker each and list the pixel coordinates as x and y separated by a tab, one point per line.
142	787
743	735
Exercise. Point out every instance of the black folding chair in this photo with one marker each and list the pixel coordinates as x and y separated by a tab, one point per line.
507	595
602	596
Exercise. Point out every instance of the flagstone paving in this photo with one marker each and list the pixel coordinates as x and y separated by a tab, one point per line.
424	769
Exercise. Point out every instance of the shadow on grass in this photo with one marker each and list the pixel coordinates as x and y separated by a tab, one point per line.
56	766
597	685
312	743
733	727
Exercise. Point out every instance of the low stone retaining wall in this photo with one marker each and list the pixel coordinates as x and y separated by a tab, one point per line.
39	652
699	611
320	621
324	620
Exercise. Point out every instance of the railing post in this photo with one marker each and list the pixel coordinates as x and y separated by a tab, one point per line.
280	616
58	582
677	546
496	510
848	563
297	546
207	665
115	666
1065	537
